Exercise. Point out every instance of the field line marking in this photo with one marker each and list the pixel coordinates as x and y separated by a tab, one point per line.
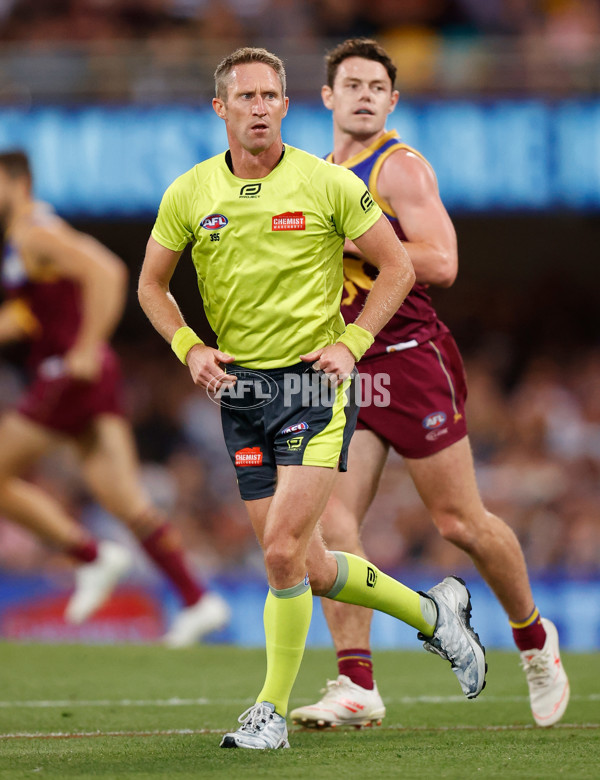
172	702
176	701
196	732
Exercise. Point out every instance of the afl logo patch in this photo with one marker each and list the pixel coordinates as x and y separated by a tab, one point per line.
214	222
433	420
302	426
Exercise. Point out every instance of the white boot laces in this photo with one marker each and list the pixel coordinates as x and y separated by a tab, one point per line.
537	668
255	718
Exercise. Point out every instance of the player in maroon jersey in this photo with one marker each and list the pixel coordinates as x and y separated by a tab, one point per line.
424	420
65	293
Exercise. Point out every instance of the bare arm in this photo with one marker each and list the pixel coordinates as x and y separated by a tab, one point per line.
163	312
409	185
153	289
101	276
396	277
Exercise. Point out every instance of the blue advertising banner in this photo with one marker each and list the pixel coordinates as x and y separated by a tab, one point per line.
489	156
32	606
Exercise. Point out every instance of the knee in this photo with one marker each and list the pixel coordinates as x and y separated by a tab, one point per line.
281	556
455	527
143	524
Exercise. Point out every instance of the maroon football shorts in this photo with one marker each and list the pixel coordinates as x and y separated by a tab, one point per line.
69	405
423	410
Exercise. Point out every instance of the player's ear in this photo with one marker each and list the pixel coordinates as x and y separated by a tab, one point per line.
219	107
394	101
286	105
327	96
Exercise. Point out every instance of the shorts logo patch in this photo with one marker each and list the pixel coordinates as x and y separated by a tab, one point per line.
290	220
249	456
434	420
433	435
301	426
214	222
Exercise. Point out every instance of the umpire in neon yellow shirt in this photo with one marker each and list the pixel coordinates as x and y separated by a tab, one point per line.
267	224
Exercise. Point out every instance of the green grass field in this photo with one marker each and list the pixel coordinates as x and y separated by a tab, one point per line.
76	711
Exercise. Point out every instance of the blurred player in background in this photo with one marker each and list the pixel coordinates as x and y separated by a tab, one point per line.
425	421
267	223
65	294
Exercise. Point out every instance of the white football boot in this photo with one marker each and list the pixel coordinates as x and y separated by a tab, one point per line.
95	581
454	639
208	614
547	680
345	704
262	729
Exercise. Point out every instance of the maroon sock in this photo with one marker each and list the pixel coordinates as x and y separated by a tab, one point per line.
357	665
164	548
85	552
530	634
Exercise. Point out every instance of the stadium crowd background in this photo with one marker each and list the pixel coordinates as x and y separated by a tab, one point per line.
525	314
147	50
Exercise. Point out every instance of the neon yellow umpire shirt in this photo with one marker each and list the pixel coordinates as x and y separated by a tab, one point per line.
268	252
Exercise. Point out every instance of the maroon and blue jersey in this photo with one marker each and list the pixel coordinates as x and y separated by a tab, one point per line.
50	305
49	308
416	321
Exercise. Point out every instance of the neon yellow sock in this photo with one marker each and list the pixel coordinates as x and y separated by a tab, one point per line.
359	582
287	619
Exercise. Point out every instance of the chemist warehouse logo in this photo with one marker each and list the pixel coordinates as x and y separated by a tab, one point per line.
291	220
249	456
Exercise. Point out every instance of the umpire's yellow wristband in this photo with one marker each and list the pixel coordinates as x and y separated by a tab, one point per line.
357	339
183	340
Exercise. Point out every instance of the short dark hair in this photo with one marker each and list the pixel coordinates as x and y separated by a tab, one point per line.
243	56
359	47
16	164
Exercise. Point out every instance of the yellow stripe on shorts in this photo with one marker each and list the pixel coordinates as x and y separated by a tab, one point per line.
325	447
